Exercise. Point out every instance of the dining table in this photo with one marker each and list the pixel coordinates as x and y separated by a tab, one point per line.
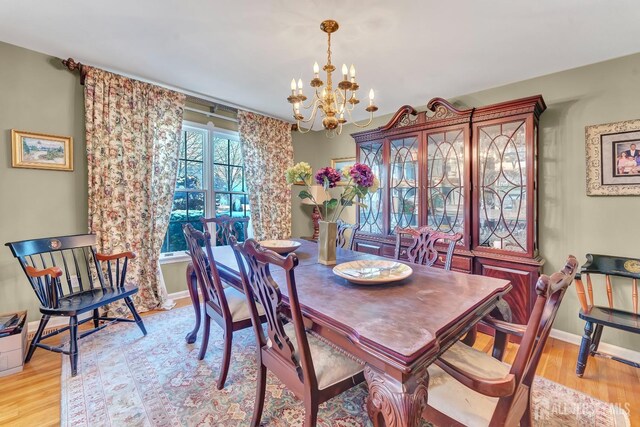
396	329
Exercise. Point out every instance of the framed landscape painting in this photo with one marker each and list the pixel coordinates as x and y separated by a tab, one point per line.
613	159
340	163
41	151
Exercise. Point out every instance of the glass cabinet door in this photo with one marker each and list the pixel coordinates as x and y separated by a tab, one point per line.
371	217
502	181
446	181
403	183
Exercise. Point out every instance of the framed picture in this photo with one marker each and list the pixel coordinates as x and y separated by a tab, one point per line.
41	151
340	163
613	159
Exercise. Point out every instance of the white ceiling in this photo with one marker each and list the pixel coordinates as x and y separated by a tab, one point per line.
246	52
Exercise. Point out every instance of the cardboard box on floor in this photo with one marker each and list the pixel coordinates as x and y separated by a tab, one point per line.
12	349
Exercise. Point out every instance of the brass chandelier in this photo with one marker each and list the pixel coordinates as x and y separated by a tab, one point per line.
333	103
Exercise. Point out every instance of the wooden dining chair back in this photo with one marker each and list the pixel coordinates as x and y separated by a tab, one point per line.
346	234
226	306
611	269
460	392
313	370
70	278
422	249
225	226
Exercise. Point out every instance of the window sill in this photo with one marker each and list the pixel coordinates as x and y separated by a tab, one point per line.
173	257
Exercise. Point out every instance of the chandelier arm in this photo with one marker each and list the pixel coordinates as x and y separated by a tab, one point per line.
363	125
311	119
313	112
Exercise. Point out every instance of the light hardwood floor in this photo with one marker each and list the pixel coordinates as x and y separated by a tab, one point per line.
32	397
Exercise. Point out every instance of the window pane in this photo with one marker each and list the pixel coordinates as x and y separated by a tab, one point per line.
180	182
236	178
194	175
175	237
220	178
195	205
182	145
179	204
238	203
195	145
235	153
222	204
220	150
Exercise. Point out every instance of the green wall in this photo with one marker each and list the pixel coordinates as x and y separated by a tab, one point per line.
39	95
569	221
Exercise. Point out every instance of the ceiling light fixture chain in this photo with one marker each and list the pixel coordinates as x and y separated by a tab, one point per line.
332	102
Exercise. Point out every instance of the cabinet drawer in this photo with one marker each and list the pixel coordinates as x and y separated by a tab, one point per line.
368	248
458	263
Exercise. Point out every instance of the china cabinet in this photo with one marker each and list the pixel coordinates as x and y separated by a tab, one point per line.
470	171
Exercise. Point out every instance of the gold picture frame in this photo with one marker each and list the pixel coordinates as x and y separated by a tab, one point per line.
41	151
610	168
340	162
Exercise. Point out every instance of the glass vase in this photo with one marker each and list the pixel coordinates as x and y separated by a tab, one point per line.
327	242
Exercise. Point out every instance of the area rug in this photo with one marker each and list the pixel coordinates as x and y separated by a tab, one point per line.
125	379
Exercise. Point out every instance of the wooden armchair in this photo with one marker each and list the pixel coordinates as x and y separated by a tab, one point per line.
346	234
469	387
609	266
422	249
313	370
225	227
92	280
226	306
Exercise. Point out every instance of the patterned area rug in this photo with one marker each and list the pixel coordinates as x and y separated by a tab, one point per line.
125	379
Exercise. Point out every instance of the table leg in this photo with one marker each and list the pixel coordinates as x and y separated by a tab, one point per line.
392	403
192	286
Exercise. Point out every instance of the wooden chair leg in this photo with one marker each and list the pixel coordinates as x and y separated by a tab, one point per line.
595	342
73	344
36	338
499	345
585	346
310	411
96	316
527	420
226	358
470	338
261	386
136	316
205	336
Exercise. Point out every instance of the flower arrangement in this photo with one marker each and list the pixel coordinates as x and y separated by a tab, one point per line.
359	178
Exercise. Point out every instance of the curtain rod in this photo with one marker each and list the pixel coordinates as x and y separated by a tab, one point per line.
73	65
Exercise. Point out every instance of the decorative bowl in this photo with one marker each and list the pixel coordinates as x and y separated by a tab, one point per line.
372	272
282	247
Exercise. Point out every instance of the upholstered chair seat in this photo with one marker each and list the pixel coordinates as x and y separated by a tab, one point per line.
238	305
331	366
457	401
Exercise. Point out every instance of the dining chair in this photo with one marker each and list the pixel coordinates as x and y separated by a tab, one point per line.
226	306
422	248
93	280
225	226
346	234
622	270
312	369
468	387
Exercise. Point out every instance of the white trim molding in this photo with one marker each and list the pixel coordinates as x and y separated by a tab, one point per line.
610	349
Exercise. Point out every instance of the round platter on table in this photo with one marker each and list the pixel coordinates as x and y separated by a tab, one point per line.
372	272
280	246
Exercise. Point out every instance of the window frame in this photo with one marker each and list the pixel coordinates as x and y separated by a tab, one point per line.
207	178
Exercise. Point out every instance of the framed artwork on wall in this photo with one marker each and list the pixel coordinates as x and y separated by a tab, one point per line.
613	159
339	163
41	151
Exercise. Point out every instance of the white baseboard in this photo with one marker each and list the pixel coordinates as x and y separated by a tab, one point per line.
613	350
59	322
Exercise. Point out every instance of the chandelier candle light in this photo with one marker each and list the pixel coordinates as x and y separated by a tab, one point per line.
333	103
360	182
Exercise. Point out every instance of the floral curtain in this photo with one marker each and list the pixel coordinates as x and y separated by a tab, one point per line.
132	135
268	152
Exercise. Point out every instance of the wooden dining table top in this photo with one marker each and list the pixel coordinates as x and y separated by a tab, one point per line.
401	321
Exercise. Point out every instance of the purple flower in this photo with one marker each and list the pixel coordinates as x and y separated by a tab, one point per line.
362	175
331	175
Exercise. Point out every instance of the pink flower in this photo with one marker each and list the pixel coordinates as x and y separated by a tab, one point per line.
328	175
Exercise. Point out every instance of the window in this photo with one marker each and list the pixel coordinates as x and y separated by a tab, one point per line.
210	181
